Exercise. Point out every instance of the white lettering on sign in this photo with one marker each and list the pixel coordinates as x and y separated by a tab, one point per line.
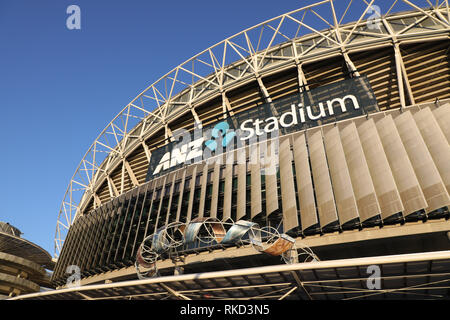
291	118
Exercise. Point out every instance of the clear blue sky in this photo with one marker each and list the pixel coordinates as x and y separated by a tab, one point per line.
59	88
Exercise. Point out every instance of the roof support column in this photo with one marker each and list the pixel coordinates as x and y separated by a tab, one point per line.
266	95
113	192
97	201
400	68
168	133
398	55
130	172
148	154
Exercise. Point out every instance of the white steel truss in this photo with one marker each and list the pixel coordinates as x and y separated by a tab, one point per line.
311	33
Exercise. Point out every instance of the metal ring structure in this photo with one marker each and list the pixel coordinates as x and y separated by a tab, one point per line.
313	33
201	232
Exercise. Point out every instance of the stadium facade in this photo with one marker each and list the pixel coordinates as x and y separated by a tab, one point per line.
319	138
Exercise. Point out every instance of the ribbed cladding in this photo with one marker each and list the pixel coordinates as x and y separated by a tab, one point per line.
405	178
322	180
282	84
183	121
157	139
340	176
246	97
430	181
210	112
428	68
442	115
325	72
379	66
380	171
139	164
288	199
436	142
363	188
304	182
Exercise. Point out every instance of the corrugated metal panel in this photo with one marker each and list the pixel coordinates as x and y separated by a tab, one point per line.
366	198
380	171
340	176
288	199
405	178
304	182
430	181
322	180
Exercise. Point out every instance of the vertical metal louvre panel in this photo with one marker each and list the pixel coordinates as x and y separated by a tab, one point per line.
241	177
340	176
255	171
405	178
172	180
288	199
204	183
161	200
321	177
436	142
132	199
304	182
215	187
442	115
380	171
137	235
227	197
366	198
181	172
152	203
191	193
270	176
430	181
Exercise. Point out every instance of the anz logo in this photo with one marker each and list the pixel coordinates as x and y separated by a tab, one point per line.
194	150
220	131
297	115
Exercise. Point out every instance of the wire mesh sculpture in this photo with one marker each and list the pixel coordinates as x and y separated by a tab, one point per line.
177	238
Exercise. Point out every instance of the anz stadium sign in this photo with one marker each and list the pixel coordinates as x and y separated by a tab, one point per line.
318	106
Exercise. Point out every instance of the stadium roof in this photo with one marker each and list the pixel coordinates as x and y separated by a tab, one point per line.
408	276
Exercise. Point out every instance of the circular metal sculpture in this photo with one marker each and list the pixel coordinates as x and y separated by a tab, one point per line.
175	238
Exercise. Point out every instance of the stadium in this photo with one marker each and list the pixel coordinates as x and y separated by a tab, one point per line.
279	163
